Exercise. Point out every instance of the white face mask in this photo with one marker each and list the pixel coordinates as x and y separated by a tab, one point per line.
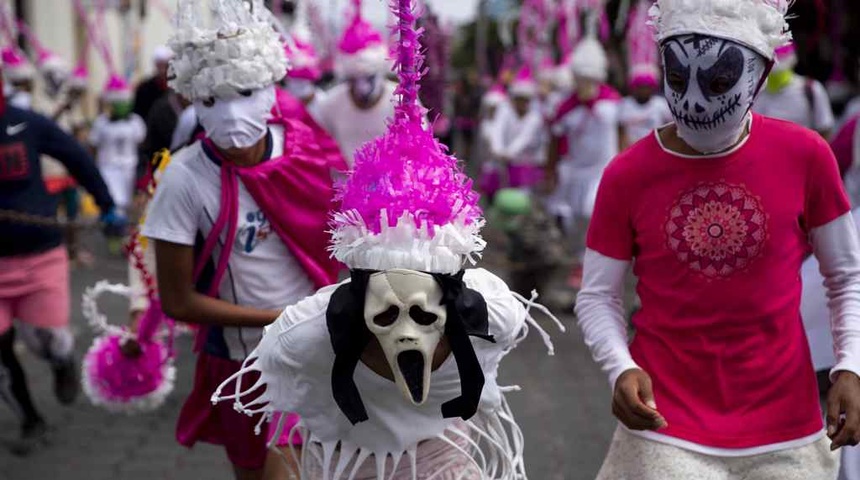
366	88
238	122
711	84
300	88
403	309
22	100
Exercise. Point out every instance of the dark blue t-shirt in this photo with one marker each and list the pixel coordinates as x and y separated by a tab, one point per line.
24	137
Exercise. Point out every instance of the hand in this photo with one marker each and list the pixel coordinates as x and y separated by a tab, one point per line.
114	223
633	402
130	348
843	411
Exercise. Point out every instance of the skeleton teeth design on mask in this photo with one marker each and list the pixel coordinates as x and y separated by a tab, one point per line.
711	84
404	310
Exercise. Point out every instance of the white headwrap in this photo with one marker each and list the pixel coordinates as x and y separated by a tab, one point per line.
239	51
758	24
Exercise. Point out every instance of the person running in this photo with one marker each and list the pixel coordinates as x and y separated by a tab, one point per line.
34	265
239	218
717	217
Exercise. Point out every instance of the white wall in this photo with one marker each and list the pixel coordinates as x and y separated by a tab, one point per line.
55	24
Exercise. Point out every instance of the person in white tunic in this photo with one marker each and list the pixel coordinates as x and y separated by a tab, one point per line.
792	97
521	134
394	371
357	110
644	110
116	136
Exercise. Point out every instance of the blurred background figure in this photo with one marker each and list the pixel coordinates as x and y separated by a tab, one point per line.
795	98
153	88
357	110
115	137
522	137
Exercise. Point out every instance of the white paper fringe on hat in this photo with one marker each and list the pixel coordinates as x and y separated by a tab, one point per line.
758	24
240	50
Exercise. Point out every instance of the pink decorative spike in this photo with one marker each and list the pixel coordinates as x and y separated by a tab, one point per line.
406	204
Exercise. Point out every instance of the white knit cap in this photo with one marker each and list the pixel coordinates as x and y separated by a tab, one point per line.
758	24
240	51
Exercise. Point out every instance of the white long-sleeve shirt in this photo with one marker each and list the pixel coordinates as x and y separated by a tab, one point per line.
523	140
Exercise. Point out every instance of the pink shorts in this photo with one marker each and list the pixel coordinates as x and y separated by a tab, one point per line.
34	289
201	421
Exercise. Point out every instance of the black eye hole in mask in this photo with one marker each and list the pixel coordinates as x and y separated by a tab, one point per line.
387	317
421	317
723	75
677	74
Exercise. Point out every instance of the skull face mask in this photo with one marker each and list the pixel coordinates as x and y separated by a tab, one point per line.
711	84
404	310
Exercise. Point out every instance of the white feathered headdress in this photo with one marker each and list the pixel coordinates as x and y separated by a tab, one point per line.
758	24
239	50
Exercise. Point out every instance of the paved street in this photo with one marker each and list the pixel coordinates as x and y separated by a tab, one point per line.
563	410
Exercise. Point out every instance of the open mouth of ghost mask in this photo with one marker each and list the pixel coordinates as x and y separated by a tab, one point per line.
411	366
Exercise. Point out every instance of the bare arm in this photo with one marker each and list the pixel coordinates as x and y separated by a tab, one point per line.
175	266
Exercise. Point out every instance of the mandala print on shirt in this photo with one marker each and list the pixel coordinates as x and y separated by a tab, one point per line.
717	229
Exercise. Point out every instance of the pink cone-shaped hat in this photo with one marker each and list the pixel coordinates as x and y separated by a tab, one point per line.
407	204
304	63
786	58
361	49
495	95
16	67
80	77
524	84
116	89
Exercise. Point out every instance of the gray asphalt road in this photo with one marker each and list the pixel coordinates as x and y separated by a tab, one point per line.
563	409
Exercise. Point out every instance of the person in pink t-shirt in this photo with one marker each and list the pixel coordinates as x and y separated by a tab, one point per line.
716	213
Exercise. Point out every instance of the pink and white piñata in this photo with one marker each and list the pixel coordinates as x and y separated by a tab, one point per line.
407	204
120	381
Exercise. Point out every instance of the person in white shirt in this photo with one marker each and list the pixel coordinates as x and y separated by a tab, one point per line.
239	218
357	110
116	136
644	109
795	98
521	134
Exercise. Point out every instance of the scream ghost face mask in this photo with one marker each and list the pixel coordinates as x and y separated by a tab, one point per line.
404	310
711	84
408	312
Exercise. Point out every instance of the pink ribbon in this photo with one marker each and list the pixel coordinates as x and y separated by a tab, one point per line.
99	43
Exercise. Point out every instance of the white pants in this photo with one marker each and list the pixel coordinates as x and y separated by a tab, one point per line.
635	458
850	464
120	182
